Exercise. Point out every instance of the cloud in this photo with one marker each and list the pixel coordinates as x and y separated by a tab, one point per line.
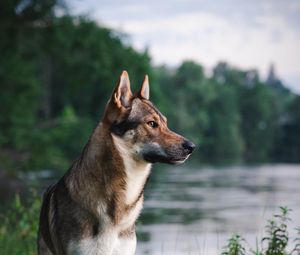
209	38
248	34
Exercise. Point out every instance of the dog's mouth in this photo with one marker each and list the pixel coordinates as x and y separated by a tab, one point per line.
156	153
153	158
178	161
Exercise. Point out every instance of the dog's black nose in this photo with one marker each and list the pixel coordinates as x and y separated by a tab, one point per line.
189	146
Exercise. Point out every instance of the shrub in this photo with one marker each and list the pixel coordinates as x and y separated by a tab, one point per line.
18	231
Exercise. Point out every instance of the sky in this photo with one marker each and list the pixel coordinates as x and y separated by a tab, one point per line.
245	33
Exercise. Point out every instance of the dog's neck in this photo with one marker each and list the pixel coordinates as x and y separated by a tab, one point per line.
137	170
107	170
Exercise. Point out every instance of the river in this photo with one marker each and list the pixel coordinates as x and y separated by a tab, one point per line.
194	211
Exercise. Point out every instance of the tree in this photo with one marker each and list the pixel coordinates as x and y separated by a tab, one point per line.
224	142
49	63
259	116
273	81
288	140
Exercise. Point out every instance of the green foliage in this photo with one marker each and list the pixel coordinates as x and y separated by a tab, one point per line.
18	84
277	236
58	142
19	226
274	243
258	118
234	246
288	139
224	140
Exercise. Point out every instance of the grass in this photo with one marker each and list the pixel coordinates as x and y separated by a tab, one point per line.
19	225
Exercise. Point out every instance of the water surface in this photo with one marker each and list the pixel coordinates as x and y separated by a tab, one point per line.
194	211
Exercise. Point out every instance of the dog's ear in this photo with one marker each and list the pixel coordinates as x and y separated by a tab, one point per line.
144	91
122	94
120	102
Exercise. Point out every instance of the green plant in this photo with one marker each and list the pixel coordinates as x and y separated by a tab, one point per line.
274	243
235	246
19	227
277	235
296	250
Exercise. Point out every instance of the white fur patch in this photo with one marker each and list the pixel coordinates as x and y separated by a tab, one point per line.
107	243
104	244
137	170
127	246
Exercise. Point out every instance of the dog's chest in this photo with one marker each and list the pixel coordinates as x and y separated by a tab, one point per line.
103	244
109	242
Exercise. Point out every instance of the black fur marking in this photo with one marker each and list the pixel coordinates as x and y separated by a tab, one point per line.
112	208
121	128
95	229
153	157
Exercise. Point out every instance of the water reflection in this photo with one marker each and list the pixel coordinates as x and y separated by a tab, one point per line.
190	211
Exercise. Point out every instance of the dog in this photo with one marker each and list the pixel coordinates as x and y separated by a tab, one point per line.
93	208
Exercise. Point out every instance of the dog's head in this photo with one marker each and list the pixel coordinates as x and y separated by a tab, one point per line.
140	129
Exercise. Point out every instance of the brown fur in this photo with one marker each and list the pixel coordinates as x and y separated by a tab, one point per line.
70	209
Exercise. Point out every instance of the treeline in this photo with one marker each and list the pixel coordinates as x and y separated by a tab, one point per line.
232	115
57	72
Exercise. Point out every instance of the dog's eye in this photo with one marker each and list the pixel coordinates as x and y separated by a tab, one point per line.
152	124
